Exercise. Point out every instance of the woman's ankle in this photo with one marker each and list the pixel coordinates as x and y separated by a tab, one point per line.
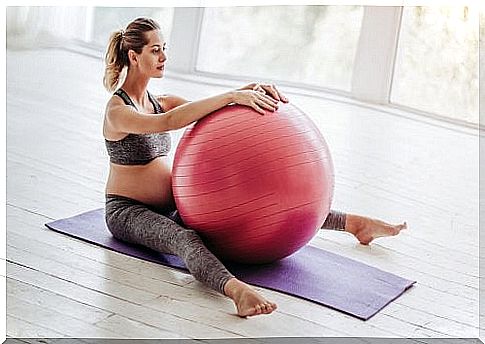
353	223
230	286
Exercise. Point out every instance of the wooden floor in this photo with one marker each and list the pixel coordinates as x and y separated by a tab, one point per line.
386	166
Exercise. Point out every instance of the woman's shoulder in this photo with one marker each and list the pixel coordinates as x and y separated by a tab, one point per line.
114	100
113	105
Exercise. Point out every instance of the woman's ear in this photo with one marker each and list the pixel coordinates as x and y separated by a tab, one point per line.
133	57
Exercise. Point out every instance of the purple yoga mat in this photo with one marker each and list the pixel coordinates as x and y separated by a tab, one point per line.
311	273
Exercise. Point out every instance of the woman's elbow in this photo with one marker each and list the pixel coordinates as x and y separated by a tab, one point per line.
172	122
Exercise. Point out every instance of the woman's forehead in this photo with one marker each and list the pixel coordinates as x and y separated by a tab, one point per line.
155	37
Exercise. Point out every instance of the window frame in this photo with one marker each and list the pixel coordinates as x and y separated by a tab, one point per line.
185	39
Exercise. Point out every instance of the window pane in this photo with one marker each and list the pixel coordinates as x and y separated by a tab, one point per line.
303	44
109	19
437	62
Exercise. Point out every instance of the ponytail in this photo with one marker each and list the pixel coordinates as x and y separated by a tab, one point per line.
115	60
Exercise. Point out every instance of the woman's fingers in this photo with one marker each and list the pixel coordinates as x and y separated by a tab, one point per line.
260	104
268	89
264	105
271	89
256	107
274	92
257	100
257	87
282	97
247	87
269	101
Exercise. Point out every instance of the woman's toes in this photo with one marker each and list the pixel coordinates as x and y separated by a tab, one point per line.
268	308
400	227
264	310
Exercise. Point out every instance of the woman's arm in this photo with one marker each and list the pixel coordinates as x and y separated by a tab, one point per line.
125	119
268	89
170	101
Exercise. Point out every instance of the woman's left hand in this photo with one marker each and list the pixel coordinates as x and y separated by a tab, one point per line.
267	89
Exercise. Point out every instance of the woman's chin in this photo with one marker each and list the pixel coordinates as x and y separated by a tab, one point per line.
159	73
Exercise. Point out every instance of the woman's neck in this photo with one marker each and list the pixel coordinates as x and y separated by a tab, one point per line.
136	87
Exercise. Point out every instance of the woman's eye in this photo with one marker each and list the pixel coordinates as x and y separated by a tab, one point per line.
158	50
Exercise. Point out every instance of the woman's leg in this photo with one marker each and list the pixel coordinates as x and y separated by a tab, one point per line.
131	221
335	220
365	229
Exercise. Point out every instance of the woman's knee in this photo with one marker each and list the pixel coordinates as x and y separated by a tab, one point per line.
119	224
114	227
189	237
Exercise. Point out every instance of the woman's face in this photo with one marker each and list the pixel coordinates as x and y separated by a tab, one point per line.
152	58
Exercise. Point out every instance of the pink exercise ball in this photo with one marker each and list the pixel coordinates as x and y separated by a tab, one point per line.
256	188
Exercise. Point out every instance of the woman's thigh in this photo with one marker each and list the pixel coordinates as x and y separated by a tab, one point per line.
134	222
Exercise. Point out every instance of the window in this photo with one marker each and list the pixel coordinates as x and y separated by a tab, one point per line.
436	66
422	58
313	45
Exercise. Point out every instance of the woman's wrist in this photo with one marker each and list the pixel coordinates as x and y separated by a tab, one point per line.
230	97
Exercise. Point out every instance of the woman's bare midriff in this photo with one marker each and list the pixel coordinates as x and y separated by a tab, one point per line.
150	183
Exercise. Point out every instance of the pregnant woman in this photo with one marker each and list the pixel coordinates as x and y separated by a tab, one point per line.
140	207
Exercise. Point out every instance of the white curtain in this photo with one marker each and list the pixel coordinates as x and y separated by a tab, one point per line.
31	27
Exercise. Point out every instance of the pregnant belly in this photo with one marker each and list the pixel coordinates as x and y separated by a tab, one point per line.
150	183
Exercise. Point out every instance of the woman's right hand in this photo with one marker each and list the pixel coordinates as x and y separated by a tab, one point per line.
257	100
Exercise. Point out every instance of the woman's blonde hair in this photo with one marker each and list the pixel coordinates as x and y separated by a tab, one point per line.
120	42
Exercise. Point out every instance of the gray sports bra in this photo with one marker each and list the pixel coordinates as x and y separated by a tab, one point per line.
138	149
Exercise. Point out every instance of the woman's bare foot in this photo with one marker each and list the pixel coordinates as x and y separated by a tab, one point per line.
366	229
247	300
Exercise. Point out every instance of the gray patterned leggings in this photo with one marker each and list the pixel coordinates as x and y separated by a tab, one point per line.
134	222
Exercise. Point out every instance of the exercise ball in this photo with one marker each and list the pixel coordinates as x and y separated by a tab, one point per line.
256	188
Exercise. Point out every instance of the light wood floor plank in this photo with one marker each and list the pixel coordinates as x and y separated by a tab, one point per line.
54	320
19	328
45	298
112	304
